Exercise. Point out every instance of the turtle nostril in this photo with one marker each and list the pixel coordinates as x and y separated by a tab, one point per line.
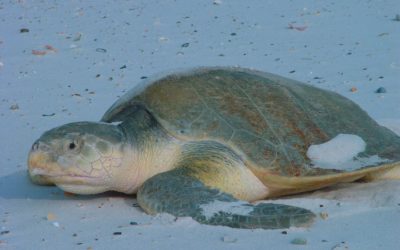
35	146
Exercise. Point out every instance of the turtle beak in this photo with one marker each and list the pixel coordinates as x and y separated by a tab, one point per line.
37	167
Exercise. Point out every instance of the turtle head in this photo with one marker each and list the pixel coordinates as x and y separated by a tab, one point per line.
79	157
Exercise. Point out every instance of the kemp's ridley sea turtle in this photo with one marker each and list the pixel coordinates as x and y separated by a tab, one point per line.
206	143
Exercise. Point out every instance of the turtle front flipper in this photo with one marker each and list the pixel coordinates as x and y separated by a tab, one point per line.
177	193
210	185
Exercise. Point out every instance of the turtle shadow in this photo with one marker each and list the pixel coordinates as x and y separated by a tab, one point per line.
18	186
380	193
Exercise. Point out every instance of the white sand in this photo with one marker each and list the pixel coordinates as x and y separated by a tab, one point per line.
103	48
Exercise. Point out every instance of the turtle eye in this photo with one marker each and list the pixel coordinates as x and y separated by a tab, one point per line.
72	145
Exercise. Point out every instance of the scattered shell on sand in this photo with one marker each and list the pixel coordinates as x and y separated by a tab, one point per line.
353	89
51	217
14	107
228	239
323	215
299	241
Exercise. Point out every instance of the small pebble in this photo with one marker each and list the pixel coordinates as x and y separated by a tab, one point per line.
133	223
56	224
122	67
14	107
299	241
117	233
101	50
217	2
4	232
380	90
185	45
340	246
284	232
291	72
397	18
143	77
24	30
353	89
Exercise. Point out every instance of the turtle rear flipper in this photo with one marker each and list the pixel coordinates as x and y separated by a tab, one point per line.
281	185
177	193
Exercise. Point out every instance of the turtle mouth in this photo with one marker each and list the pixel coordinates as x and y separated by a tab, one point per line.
37	172
45	177
43	171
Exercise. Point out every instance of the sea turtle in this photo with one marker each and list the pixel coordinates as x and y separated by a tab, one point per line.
208	142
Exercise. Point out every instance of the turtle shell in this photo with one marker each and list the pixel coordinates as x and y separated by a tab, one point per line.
271	121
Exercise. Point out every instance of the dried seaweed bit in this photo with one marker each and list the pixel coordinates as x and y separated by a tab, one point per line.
299	241
117	233
39	52
284	232
133	223
50	48
143	77
380	90
68	194
185	45
101	50
292	71
123	67
47	115
23	30
4	232
397	18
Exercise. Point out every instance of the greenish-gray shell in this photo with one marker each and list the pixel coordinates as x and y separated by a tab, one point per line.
270	120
